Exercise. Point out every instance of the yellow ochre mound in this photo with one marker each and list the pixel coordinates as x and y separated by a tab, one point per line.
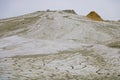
94	16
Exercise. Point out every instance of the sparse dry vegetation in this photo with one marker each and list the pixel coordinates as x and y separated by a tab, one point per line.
115	44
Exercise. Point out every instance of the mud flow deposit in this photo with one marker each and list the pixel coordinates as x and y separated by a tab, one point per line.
59	45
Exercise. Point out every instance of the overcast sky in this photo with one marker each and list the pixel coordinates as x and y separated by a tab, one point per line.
108	9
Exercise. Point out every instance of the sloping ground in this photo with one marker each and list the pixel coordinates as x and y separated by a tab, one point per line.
78	63
59	45
59	25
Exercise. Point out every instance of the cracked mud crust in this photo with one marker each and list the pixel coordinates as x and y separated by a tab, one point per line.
65	65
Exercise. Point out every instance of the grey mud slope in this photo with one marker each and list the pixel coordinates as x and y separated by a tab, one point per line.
59	45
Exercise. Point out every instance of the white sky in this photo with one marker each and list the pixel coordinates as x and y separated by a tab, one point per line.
108	9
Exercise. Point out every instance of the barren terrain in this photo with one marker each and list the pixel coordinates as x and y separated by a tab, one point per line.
59	45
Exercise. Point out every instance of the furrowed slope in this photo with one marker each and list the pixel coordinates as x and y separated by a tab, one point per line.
59	45
53	25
